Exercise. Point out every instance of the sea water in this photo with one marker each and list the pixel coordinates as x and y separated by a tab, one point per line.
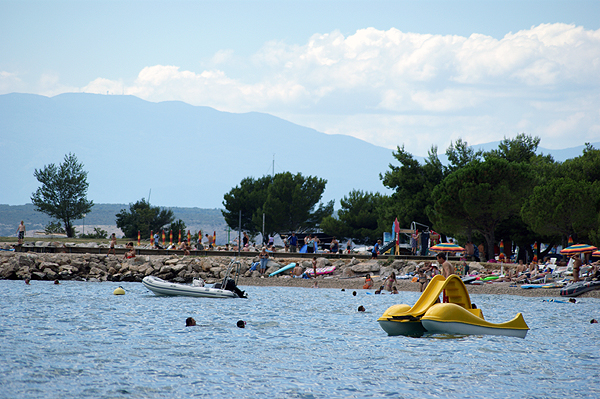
78	340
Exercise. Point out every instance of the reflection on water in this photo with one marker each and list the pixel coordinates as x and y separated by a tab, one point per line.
77	339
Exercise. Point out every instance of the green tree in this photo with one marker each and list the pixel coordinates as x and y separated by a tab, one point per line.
413	184
563	207
248	197
176	227
480	196
460	155
358	218
520	149
289	202
63	192
144	218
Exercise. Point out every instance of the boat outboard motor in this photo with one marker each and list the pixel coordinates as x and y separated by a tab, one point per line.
230	286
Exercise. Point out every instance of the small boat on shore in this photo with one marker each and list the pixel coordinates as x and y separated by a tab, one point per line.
226	289
457	315
578	288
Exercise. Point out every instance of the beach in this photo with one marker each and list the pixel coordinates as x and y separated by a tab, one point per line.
356	283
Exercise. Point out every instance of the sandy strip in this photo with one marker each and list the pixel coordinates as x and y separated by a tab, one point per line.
403	285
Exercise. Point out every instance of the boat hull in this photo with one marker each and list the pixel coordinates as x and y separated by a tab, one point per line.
458	328
161	287
406	328
449	318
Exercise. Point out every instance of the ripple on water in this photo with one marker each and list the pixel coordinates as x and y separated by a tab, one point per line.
78	339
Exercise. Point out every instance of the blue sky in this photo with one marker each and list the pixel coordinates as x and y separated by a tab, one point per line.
388	72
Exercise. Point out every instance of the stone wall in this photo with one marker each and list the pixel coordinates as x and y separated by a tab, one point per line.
97	267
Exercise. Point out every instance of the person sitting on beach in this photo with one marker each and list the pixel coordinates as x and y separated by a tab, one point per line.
297	272
368	282
184	247
520	267
390	281
131	253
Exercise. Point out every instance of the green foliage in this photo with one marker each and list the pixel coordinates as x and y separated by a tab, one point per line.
480	196
413	184
98	234
248	197
460	155
176	227
144	218
568	201
288	202
358	218
520	149
54	228
63	192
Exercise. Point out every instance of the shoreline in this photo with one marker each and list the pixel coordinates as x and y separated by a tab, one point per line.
356	283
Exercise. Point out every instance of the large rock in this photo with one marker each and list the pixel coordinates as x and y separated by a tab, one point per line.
366	267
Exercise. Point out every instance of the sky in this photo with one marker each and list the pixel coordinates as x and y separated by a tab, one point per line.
392	73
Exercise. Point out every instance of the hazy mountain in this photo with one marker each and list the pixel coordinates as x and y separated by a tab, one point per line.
174	153
103	216
186	155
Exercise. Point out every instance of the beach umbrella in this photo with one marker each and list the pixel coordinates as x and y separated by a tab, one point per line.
151	238
189	237
163	237
501	246
535	248
170	237
570	241
179	239
215	238
577	249
596	253
447	247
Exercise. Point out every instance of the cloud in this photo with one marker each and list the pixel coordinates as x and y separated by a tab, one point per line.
393	87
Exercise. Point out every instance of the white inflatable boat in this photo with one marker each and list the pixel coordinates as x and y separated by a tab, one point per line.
227	289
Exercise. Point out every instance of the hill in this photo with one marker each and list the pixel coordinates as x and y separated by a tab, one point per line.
103	215
172	152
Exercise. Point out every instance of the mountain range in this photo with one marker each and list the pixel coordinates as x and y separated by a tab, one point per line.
175	154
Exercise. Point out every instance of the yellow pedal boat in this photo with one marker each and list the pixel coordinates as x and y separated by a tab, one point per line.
456	316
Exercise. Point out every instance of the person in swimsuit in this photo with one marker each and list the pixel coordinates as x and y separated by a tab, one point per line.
113	242
21	232
368	282
422	273
390	281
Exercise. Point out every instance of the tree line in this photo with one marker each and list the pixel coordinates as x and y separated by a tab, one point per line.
509	193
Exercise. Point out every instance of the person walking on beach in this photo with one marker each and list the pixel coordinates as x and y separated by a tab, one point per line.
113	242
375	250
293	241
21	232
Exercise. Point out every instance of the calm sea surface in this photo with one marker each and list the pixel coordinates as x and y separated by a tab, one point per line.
77	340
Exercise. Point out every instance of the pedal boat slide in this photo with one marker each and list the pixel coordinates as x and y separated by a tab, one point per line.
458	316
